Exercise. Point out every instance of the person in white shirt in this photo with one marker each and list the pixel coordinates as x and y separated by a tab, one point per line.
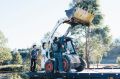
44	55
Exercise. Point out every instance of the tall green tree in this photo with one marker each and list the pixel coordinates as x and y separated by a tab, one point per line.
97	31
5	52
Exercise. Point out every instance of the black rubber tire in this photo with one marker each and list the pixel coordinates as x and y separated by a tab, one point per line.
66	64
49	66
82	65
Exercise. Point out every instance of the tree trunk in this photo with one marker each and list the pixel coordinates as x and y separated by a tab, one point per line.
86	54
97	65
87	47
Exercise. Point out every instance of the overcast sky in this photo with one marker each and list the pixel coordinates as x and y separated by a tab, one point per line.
25	22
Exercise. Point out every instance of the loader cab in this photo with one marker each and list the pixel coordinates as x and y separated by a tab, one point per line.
68	45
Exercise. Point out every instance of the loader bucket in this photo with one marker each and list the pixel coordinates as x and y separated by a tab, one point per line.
80	15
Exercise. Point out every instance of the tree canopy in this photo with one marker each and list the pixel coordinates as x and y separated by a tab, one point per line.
96	35
5	52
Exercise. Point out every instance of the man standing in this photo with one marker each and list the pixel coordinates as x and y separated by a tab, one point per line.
34	55
56	47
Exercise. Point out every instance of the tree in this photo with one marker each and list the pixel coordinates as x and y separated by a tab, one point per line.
118	61
5	53
3	40
116	43
27	61
97	50
17	59
98	31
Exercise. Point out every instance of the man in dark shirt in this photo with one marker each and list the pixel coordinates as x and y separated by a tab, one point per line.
34	55
56	47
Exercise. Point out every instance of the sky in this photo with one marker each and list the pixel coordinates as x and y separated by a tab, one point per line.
24	22
111	12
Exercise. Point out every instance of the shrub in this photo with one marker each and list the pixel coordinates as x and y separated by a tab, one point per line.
118	61
17	59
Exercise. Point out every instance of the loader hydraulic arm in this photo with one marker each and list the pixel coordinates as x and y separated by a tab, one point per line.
61	21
